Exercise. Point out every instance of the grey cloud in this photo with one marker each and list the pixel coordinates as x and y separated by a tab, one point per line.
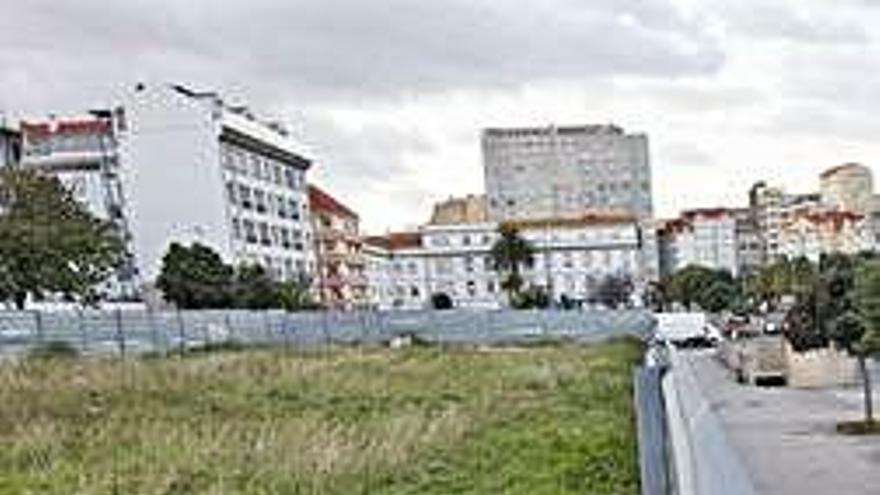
353	49
762	19
685	155
369	166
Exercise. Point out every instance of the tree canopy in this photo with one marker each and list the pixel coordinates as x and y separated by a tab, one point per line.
49	242
196	277
509	254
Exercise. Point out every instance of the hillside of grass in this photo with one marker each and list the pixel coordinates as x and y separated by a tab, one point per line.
543	420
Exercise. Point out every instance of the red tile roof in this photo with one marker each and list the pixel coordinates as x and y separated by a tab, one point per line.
321	201
396	240
587	220
64	127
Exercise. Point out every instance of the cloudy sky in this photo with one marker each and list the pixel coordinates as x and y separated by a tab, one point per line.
391	94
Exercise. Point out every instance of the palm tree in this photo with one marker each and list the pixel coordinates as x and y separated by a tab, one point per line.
509	253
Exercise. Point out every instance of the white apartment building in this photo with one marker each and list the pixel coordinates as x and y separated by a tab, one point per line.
82	153
573	256
173	165
196	169
811	234
395	268
703	237
548	172
772	208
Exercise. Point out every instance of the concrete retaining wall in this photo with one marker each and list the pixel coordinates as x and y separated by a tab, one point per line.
704	461
820	368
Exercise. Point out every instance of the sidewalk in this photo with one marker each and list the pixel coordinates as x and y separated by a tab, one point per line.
786	437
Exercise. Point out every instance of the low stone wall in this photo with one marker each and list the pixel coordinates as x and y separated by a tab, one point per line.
820	368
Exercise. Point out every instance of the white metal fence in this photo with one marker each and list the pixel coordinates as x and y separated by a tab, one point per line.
137	332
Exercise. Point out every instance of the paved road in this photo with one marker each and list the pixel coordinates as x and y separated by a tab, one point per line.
786	437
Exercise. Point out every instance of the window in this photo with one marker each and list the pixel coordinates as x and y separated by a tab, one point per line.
282	206
264	234
244	194
289	178
255	167
260	200
230	193
236	228
490	287
250	233
293	209
285	238
276	236
466	240
279	174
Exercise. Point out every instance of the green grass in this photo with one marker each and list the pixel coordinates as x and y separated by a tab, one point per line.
545	420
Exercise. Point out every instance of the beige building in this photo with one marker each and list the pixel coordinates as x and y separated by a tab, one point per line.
340	282
456	211
560	171
847	187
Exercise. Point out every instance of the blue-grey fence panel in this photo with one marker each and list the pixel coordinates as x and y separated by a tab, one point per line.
652	434
136	331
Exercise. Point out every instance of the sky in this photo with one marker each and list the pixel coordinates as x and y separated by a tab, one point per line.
390	96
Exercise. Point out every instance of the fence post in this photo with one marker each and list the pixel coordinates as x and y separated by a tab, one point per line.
324	328
228	322
81	326
181	333
154	331
285	331
120	337
267	326
38	319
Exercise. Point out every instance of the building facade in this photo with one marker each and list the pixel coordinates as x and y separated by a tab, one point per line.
453	211
82	153
847	187
548	172
339	281
772	208
704	237
169	164
196	169
573	256
811	234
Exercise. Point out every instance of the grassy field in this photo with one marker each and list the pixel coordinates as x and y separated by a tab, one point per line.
544	420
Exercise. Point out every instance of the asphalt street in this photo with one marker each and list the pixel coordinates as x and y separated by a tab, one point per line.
786	438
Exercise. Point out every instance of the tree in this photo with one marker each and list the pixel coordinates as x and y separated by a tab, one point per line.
533	297
712	290
255	289
295	296
195	277
441	300
860	333
49	243
509	253
614	291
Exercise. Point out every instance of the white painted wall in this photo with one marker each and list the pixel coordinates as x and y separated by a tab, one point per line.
172	176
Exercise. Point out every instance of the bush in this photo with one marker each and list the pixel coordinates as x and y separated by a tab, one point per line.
441	300
55	349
